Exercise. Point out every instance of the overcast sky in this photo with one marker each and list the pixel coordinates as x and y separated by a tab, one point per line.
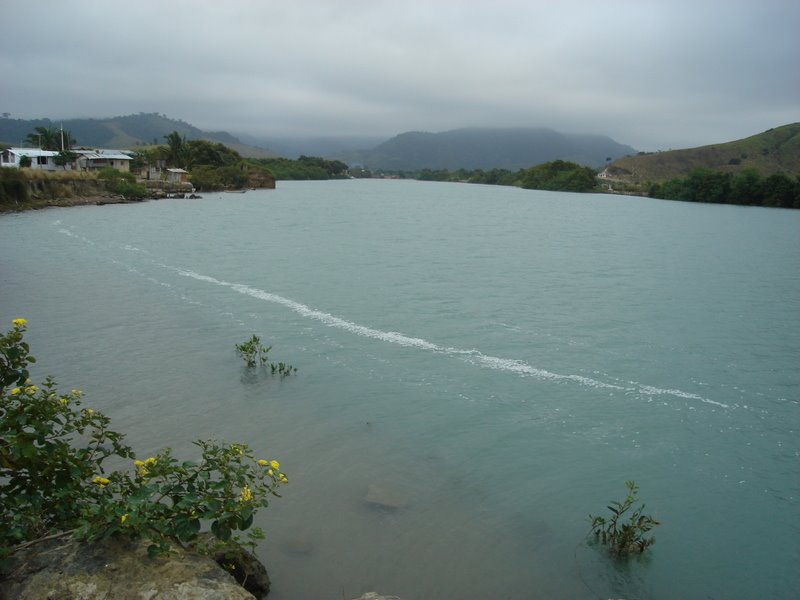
652	74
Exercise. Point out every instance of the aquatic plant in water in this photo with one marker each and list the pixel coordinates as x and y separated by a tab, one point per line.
254	353
625	535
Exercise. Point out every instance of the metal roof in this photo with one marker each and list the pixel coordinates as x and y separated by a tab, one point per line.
32	152
103	154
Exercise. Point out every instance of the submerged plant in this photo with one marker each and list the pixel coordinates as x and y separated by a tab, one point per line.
625	535
254	353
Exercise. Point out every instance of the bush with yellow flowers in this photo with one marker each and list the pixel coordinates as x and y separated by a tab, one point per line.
54	479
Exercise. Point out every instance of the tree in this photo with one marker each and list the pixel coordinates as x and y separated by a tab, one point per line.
50	138
176	149
559	175
746	187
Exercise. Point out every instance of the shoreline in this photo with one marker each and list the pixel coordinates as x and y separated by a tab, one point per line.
65	202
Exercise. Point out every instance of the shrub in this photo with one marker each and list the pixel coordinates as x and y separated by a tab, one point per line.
54	482
624	537
13	185
253	353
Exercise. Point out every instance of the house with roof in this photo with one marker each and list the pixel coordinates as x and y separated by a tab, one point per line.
177	176
94	159
44	160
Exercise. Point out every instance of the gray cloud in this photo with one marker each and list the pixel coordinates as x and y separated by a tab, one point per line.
649	73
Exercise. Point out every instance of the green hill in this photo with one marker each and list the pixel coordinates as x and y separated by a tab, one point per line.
774	151
125	132
477	148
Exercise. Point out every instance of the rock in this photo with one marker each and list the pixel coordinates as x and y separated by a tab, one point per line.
114	569
385	497
298	545
244	566
376	596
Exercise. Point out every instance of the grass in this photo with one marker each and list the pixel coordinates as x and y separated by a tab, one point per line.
775	150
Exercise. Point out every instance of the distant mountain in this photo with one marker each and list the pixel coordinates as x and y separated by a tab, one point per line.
775	150
512	149
125	132
329	147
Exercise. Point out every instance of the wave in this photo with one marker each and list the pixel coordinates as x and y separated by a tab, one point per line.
476	357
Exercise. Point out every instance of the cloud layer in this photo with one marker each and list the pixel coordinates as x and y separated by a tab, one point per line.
651	74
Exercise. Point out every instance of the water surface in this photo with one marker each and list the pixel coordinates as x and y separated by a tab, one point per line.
499	360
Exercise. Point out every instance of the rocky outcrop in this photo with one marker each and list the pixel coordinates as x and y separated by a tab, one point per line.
116	569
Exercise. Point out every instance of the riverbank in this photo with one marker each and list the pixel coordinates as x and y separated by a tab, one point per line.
22	190
41	203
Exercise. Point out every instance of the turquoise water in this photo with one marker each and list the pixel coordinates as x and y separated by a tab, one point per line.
499	360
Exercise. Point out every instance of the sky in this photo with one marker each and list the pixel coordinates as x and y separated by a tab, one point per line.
652	74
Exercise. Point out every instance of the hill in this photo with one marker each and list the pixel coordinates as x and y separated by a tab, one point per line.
776	150
330	147
127	132
476	148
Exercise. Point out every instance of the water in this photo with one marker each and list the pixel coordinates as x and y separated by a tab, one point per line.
500	360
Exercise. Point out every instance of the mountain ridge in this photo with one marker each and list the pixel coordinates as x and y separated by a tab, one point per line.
510	148
126	132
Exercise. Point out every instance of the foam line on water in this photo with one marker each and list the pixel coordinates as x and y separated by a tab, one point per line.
472	356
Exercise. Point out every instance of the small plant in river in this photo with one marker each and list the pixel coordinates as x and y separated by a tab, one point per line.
254	353
625	535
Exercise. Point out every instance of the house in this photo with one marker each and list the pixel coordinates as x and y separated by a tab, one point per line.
40	159
100	158
177	176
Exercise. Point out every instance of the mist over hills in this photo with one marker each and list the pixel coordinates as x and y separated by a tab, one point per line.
125	132
473	148
329	147
487	148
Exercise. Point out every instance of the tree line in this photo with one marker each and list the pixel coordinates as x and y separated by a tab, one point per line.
214	166
557	175
747	187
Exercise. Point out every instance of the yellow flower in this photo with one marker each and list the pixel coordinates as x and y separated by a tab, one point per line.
270	472
150	461
283	479
101	481
275	464
123	518
31	389
138	464
15	392
262	462
19	322
77	393
89	411
63	401
246	495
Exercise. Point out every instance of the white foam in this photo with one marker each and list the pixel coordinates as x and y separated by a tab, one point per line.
517	367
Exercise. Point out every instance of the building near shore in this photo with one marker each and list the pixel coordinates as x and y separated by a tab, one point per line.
43	160
81	159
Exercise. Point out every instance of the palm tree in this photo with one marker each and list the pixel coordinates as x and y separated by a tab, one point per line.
46	138
176	149
50	138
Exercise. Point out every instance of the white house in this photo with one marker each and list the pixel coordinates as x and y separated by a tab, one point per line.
40	159
100	158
